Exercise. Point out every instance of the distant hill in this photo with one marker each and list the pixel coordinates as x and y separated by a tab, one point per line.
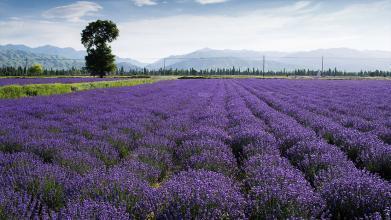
12	57
213	59
67	52
226	63
52	57
129	61
340	58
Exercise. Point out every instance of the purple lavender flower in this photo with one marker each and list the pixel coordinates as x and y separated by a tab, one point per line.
201	195
120	188
199	149
277	190
354	193
89	209
220	162
50	184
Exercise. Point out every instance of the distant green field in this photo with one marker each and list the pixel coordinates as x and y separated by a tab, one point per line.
17	91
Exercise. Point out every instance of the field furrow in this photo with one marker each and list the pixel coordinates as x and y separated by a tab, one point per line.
365	150
275	188
324	165
368	113
192	149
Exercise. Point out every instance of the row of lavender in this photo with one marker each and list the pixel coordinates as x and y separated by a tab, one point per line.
206	149
364	148
81	151
72	157
346	190
275	189
365	109
25	81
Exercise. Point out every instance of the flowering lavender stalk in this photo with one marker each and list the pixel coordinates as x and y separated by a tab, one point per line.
201	195
89	209
120	188
365	149
315	158
275	188
201	149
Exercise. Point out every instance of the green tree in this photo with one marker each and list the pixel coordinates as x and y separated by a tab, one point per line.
36	69
95	38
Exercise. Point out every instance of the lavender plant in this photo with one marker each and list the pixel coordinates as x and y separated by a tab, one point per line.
199	149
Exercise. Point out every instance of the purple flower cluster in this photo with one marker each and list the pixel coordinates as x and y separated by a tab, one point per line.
90	209
199	149
201	195
364	148
119	187
323	164
275	188
25	81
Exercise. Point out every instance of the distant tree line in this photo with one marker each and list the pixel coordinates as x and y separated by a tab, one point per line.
23	71
252	71
34	71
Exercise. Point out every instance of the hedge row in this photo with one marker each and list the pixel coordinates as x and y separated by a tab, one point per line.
17	91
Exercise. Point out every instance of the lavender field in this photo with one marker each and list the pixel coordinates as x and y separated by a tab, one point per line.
200	149
25	81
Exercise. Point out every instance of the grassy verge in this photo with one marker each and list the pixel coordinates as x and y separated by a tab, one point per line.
17	91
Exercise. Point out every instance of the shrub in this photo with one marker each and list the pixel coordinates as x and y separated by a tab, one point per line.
201	195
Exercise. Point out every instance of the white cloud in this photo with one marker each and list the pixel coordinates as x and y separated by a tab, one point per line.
205	2
141	3
299	26
73	12
300	5
37	33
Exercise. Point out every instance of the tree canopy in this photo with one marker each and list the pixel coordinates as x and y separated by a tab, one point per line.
95	38
36	69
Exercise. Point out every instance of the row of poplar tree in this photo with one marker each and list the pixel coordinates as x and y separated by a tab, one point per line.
40	71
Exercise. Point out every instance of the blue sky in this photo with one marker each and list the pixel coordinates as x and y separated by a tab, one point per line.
150	29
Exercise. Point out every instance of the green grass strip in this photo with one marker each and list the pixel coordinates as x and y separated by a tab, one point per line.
18	91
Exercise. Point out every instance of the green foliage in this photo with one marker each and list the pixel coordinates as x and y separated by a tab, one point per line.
99	60
13	63
11	91
8	147
47	154
99	33
121	147
106	159
54	130
36	69
3	216
51	192
78	166
17	91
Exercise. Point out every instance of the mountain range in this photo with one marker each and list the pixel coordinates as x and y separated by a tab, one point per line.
52	57
340	58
